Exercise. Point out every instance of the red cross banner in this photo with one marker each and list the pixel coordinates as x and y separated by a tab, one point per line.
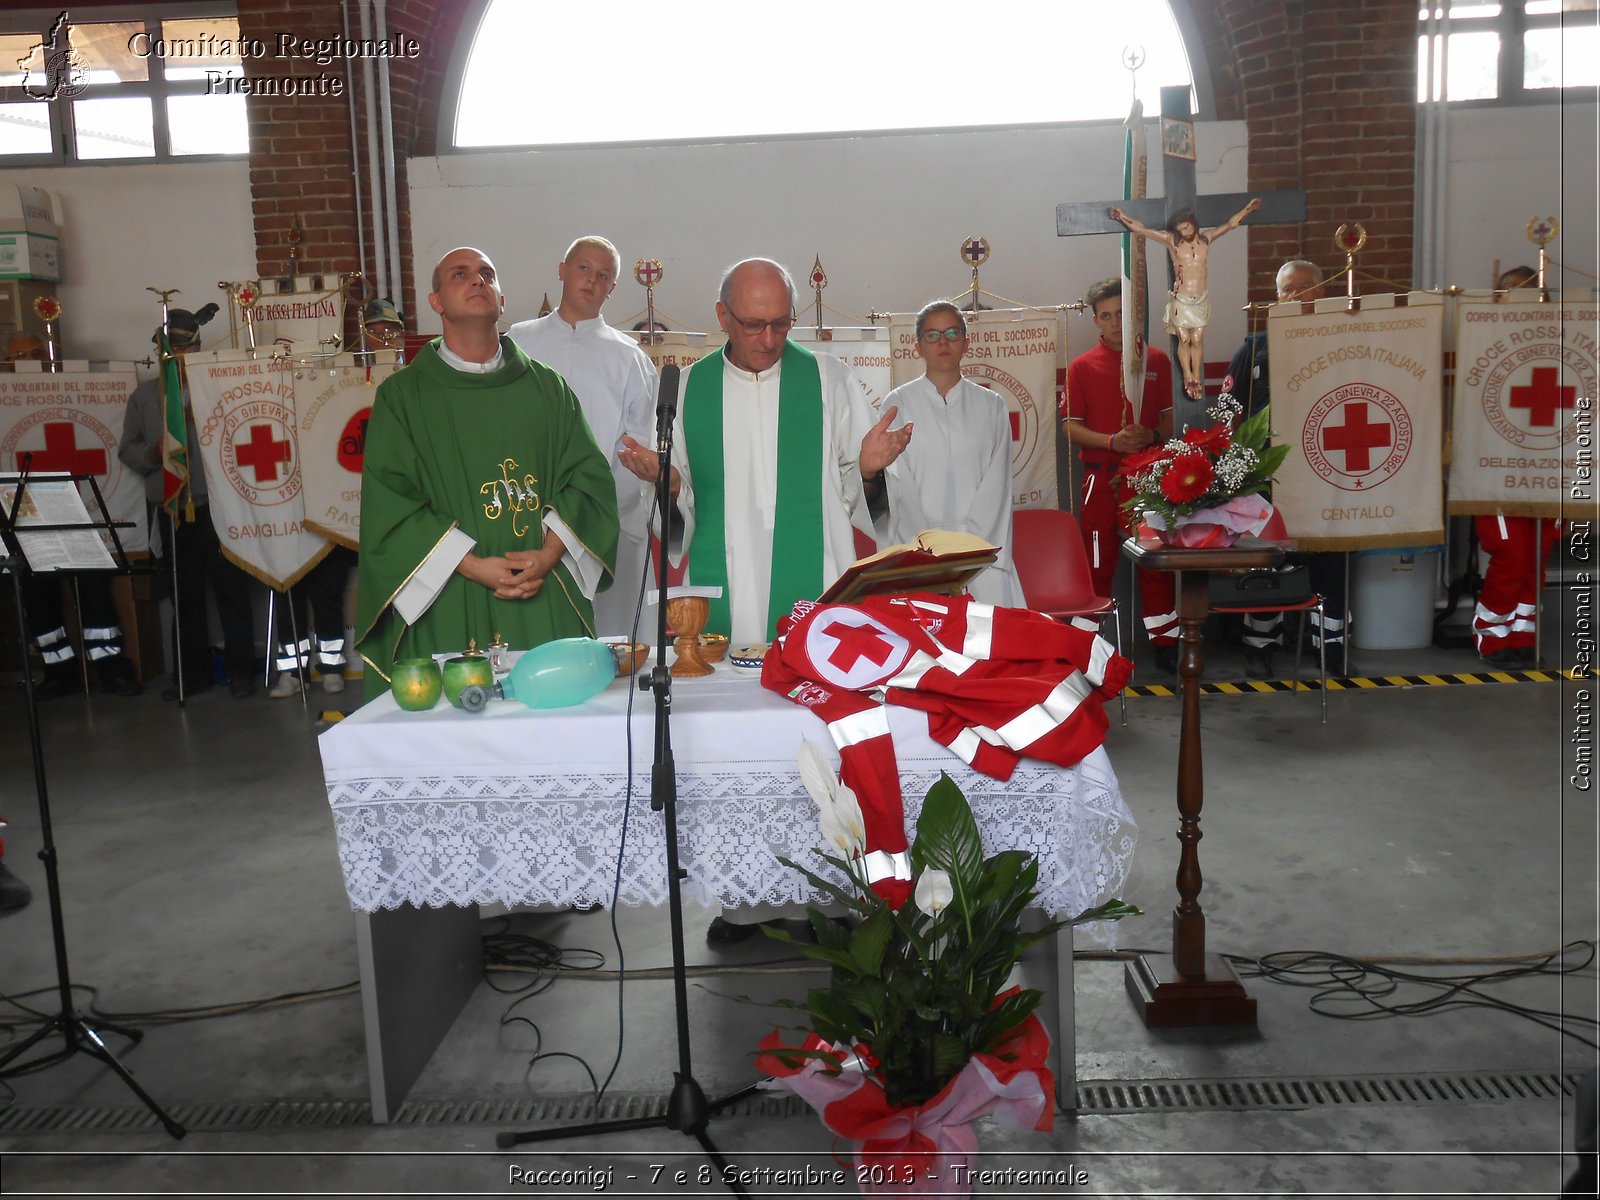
1358	397
302	321
1013	352
244	410
71	421
331	413
1526	375
681	349
864	350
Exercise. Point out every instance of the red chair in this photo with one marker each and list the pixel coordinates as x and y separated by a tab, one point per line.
1276	532
1053	568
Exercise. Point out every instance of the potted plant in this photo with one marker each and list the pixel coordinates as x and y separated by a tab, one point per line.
916	1035
1207	487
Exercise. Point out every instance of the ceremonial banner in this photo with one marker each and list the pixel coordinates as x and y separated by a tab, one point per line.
1013	352
244	412
1357	396
331	413
681	349
302	321
1525	396
864	350
71	421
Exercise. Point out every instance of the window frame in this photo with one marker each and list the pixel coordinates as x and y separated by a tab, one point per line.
474	12
157	87
1511	24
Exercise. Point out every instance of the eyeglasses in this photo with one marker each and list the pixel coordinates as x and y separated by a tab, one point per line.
754	328
954	334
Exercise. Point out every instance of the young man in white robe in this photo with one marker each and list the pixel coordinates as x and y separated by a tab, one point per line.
957	475
616	384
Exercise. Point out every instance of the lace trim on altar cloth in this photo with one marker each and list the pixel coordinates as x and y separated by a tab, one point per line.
518	839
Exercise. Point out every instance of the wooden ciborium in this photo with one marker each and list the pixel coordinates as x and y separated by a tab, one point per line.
687	616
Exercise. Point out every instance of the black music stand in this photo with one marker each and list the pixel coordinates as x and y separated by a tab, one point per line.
78	1033
688	1110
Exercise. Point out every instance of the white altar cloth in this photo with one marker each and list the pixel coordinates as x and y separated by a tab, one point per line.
526	807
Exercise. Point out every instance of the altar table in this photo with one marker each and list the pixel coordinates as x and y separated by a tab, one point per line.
438	812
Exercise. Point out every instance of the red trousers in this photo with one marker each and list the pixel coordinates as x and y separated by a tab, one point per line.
1104	525
1508	605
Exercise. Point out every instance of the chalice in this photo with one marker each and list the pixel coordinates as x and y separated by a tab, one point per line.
687	616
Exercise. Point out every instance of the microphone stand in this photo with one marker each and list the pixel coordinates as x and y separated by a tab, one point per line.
688	1110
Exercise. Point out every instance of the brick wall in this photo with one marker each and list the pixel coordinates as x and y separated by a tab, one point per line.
1327	91
302	161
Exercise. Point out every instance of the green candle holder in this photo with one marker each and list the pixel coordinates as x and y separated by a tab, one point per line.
416	683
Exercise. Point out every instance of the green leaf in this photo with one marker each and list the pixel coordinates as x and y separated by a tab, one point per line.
870	940
1112	910
947	838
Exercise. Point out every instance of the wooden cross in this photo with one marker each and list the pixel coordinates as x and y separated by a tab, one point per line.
1177	177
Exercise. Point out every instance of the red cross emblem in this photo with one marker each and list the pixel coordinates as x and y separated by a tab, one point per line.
1544	397
647	271
1357	437
262	453
851	650
975	251
62	453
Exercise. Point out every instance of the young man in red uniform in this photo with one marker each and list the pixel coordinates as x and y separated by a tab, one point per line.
1097	419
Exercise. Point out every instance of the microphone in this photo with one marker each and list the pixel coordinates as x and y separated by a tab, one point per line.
666	403
667	397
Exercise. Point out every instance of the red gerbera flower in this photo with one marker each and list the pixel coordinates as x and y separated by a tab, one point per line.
1134	463
1216	439
1188	478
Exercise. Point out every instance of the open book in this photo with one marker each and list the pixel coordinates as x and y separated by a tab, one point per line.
938	560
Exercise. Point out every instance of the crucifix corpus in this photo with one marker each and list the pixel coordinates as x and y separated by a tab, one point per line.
1186	266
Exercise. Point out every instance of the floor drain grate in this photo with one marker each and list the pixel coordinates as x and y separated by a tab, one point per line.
1103	1096
333	1114
1211	1095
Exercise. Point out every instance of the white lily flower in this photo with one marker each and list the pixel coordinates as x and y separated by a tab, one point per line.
838	810
934	891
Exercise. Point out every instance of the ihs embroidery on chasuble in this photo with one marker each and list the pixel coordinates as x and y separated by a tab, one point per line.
508	494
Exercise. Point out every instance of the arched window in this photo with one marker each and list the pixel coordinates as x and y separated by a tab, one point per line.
556	74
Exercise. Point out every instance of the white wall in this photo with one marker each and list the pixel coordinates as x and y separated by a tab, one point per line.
1507	165
125	228
887	214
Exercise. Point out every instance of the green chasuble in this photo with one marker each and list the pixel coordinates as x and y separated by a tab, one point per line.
488	454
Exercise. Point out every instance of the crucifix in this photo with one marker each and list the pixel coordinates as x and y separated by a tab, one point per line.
1178	181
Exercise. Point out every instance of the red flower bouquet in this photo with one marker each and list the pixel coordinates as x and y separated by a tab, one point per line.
1206	487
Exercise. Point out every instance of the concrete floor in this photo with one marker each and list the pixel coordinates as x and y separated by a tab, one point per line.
198	869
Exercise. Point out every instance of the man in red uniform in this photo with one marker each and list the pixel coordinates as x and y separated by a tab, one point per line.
1097	419
1516	548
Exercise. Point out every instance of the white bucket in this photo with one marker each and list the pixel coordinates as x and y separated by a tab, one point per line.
1391	597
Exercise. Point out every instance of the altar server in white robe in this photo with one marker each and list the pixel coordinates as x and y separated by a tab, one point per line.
615	382
957	474
773	450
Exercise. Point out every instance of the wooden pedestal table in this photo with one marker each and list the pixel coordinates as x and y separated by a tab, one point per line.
1190	987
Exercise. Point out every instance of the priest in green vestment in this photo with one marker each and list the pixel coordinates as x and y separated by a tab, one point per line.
773	450
486	507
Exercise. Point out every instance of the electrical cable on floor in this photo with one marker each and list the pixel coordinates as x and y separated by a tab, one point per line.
1353	989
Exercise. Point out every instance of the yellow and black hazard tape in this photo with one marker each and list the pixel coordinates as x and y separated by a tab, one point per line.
1346	683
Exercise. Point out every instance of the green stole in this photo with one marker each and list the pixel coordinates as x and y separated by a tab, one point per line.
797	526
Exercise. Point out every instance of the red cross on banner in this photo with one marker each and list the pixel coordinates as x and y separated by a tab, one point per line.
262	453
62	453
1544	397
1357	437
857	642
